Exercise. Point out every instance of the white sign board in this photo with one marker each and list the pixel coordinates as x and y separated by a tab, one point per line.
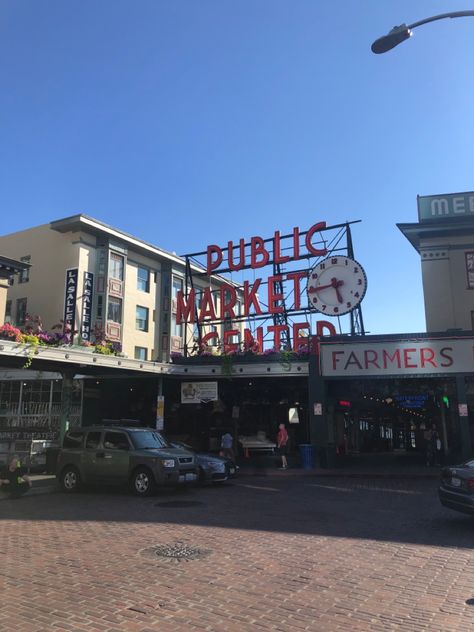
405	357
198	392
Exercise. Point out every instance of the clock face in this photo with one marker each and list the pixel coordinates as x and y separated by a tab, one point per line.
336	285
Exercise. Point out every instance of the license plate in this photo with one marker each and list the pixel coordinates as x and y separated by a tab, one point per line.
190	476
456	482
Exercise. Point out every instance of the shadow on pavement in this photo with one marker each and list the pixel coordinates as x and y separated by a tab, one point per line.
382	510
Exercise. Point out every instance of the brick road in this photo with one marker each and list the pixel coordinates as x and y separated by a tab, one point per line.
273	553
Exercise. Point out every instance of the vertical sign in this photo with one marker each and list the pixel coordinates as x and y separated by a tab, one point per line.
70	299
160	412
87	292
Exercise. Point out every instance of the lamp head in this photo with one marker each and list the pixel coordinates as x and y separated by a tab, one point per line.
396	36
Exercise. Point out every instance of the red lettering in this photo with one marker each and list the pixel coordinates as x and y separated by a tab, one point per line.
185	310
257	247
427	357
252	344
230	255
321	325
371	357
277	256
318	252
230	346
335	359
228	300
447	357
300	341
274	297
250	297
296	277
386	356
212	263
210	336
407	358
296	243
277	330
208	310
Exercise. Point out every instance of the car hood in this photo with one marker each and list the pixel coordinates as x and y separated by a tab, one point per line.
164	452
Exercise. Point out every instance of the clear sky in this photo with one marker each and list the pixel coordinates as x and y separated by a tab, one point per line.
189	122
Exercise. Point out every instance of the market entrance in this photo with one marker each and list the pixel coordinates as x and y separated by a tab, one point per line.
250	408
400	416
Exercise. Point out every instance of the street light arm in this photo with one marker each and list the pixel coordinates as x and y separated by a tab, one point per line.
442	16
403	32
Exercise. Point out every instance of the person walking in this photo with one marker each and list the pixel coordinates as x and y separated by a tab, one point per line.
13	480
226	445
282	445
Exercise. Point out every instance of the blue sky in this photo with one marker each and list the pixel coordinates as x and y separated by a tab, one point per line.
198	121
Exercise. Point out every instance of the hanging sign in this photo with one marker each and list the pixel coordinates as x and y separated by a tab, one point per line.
70	298
198	392
87	292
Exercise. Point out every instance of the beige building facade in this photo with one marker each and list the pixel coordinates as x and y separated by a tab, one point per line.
97	278
444	239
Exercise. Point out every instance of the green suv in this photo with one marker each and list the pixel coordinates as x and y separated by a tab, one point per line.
140	457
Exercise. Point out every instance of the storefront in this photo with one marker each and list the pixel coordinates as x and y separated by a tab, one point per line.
381	394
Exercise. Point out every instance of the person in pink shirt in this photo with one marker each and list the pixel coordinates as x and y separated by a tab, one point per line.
282	445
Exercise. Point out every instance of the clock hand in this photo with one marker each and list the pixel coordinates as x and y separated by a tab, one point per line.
336	285
320	287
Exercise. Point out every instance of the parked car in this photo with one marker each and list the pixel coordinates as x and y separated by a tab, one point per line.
210	467
456	490
140	457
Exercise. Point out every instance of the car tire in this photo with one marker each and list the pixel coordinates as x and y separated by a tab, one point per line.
143	482
70	479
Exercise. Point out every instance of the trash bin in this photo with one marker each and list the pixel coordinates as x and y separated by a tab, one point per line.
307	453
51	460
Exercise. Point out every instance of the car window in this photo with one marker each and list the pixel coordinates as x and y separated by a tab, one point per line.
116	441
149	440
93	440
469	464
73	439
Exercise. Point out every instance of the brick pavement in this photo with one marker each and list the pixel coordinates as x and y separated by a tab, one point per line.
280	553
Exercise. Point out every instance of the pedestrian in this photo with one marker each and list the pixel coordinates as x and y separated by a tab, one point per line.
282	445
13	479
226	445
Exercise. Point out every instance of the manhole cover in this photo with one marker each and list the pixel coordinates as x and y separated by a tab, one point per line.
179	503
176	551
470	602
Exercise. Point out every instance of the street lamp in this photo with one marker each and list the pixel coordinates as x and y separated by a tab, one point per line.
403	32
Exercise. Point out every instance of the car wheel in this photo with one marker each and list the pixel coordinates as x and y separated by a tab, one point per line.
143	482
70	479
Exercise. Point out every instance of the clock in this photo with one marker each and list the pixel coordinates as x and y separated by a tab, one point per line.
336	285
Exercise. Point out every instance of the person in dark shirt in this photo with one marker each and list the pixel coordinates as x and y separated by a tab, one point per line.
13	480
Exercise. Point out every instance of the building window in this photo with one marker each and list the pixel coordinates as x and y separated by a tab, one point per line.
470	270
114	310
141	353
143	279
141	319
24	275
472	321
8	312
21	311
177	286
176	330
100	306
116	266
